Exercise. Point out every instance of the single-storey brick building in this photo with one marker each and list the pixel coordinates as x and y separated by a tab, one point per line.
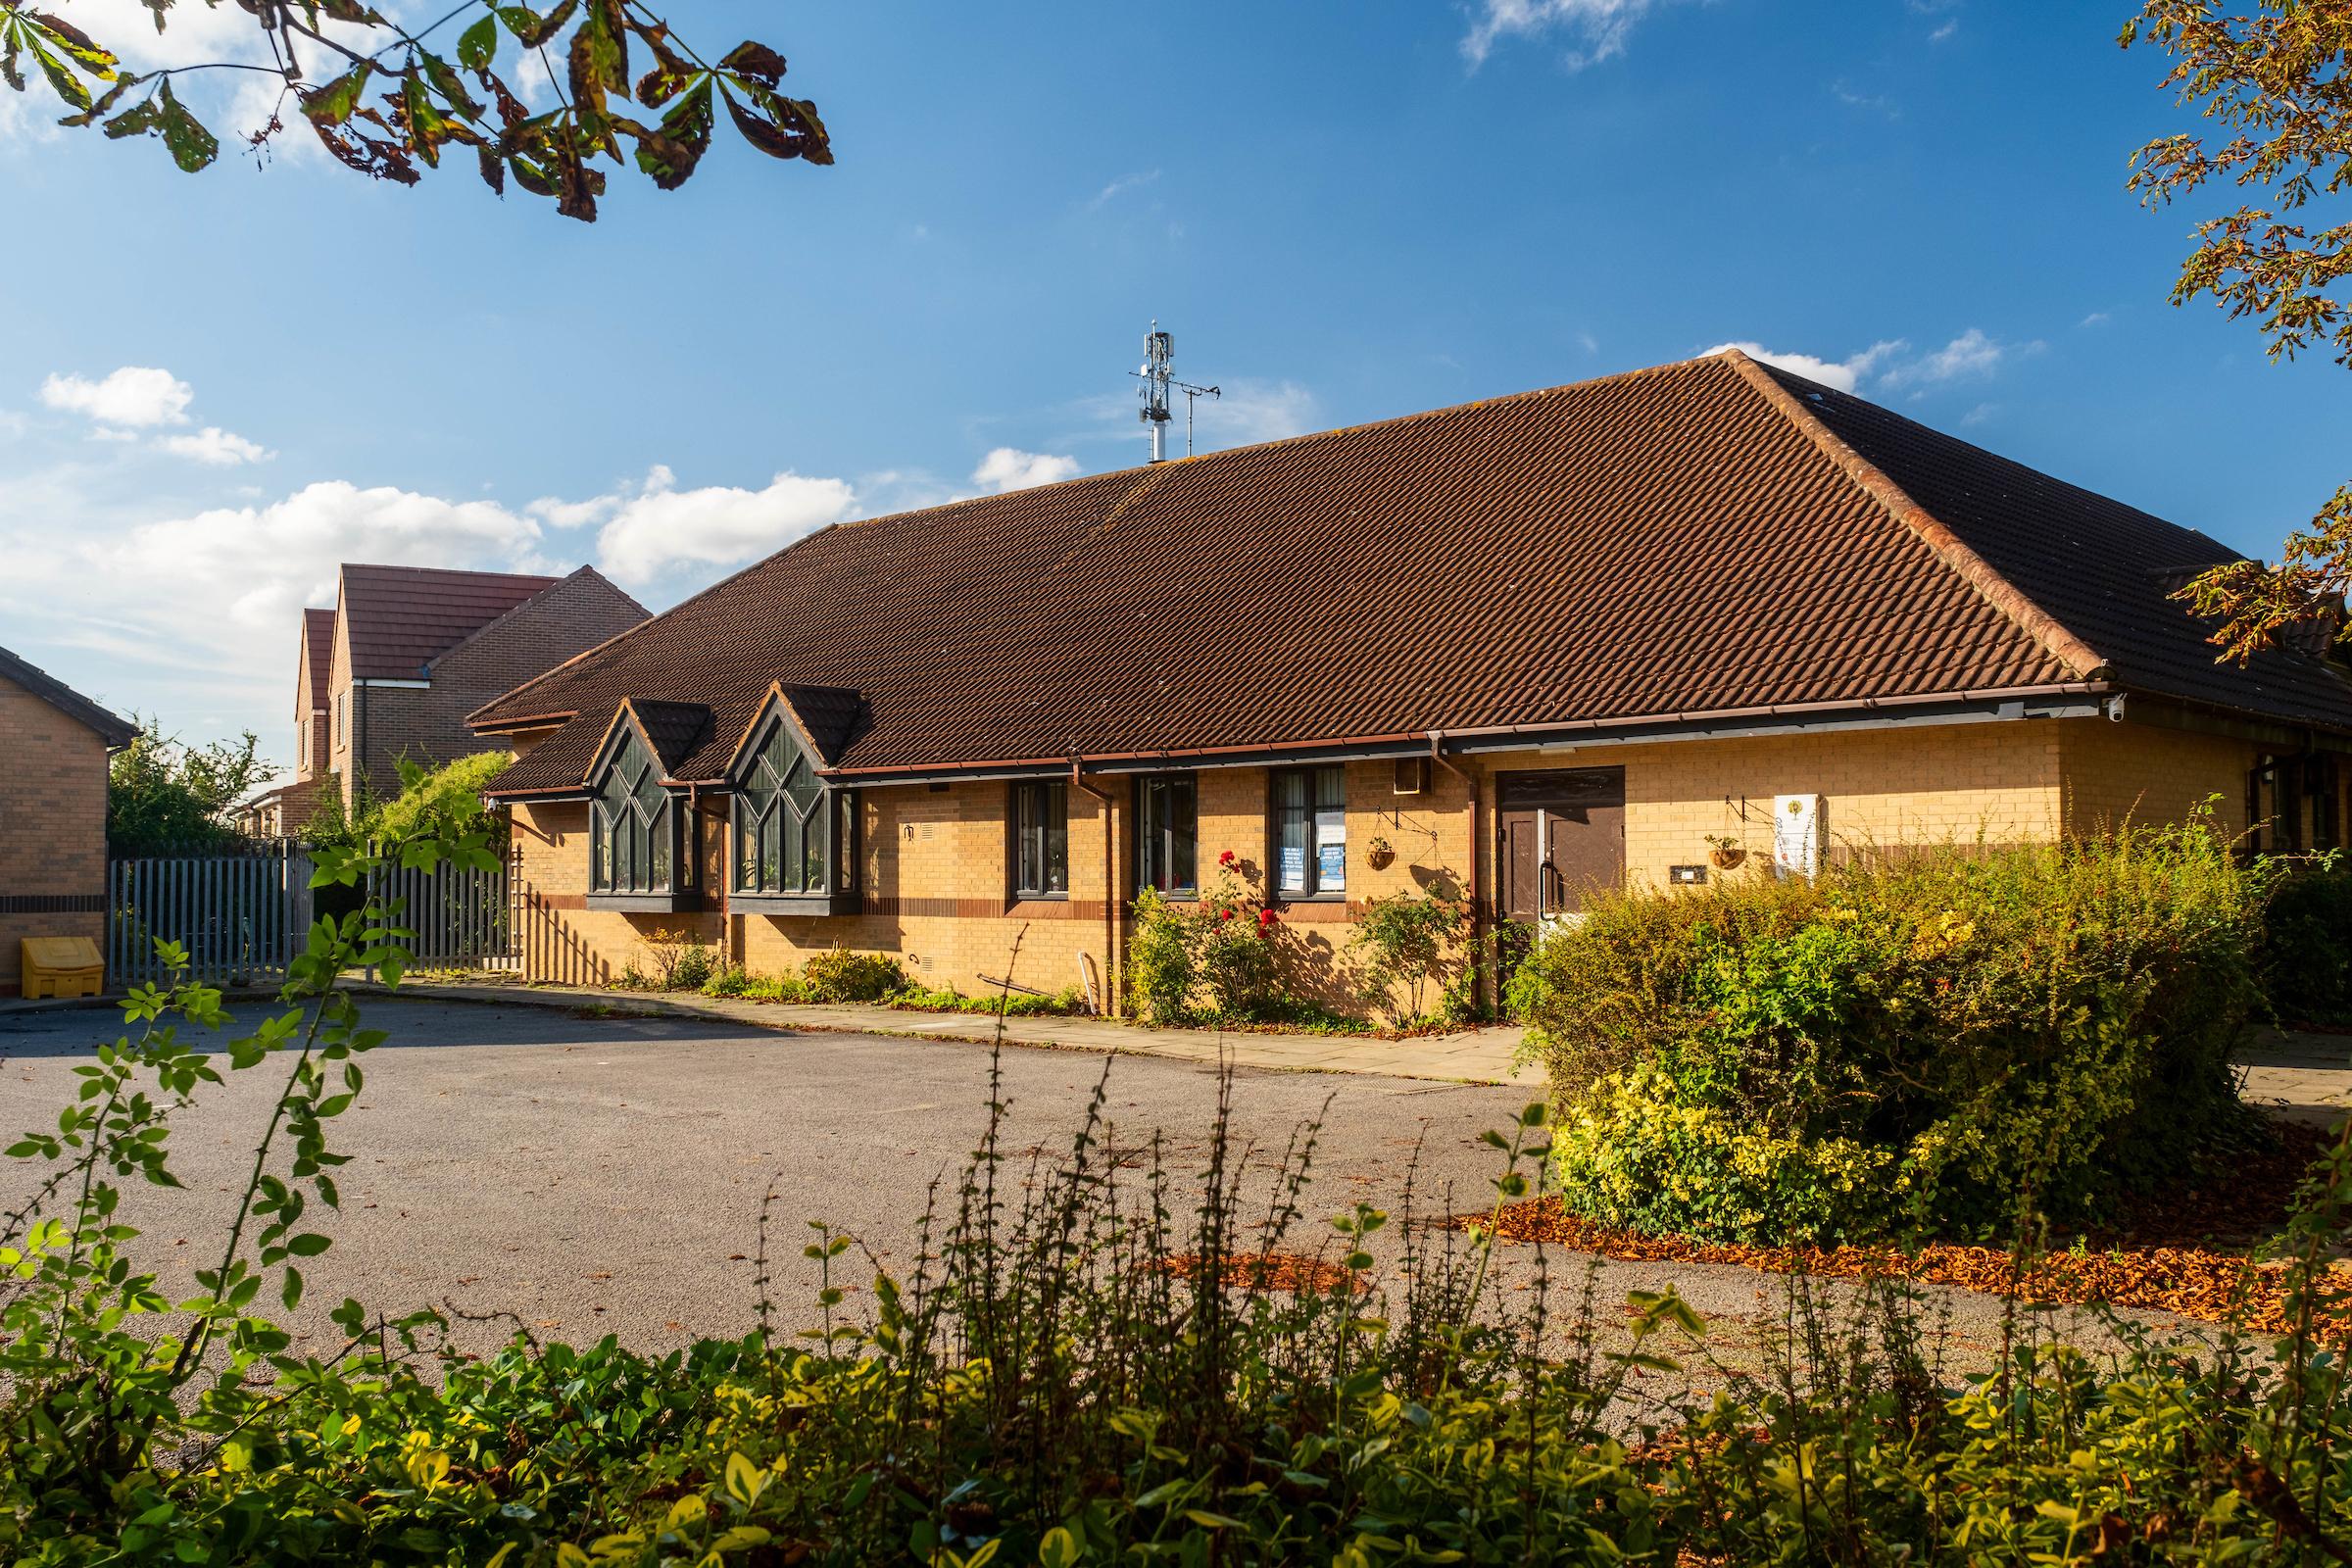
1530	646
54	744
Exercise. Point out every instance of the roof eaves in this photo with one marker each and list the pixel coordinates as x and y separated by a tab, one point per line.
2070	651
112	728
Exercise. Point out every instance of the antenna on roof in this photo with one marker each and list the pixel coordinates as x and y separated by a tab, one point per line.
1159	349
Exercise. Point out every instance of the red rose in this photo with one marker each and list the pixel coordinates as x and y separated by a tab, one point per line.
1226	859
1224	915
1267	917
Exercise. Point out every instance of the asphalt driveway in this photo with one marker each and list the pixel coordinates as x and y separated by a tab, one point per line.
605	1174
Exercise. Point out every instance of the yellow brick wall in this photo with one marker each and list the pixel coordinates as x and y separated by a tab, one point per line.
936	892
52	821
933	866
1960	783
2118	773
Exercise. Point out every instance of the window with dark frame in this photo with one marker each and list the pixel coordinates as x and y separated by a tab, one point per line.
633	843
1309	811
1041	831
1167	815
782	831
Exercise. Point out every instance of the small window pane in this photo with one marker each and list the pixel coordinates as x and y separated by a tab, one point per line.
1310	831
1042	839
1169	813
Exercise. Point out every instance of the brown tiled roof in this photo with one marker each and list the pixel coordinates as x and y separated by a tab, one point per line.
672	729
318	642
2102	570
1700	538
115	730
400	618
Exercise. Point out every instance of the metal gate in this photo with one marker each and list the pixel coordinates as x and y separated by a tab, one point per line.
460	917
242	916
239	916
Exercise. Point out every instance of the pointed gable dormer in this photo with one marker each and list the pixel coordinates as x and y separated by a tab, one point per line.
795	834
644	839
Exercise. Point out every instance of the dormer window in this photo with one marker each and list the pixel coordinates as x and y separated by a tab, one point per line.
640	856
794	835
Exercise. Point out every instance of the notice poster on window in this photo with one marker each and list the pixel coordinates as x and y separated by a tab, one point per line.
1331	850
1293	868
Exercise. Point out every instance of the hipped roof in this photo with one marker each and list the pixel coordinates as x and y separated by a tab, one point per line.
1713	536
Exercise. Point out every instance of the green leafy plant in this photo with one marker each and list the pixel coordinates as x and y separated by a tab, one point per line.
1405	943
164	795
104	1374
1902	1043
842	975
2306	943
389	101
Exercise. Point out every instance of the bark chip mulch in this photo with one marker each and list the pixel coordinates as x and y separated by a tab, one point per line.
1271	1271
2184	1253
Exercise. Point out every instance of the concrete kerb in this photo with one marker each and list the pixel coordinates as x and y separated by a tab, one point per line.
1450	1063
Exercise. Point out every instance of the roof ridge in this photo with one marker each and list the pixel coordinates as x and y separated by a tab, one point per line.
2077	656
1139	469
521	604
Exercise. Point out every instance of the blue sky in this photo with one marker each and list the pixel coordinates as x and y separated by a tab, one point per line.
1343	211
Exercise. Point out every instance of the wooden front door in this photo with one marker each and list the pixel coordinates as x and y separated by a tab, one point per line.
1563	838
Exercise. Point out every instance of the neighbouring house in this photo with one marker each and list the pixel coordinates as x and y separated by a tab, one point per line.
1527	647
404	656
54	745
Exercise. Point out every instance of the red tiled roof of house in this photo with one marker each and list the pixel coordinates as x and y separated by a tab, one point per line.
1701	538
401	618
319	643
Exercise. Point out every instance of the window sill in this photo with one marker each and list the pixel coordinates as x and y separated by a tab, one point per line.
646	902
793	904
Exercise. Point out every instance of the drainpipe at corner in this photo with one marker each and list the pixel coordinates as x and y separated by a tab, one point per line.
1478	981
1111	964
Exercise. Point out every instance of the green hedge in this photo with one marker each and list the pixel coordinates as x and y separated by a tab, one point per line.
2307	947
1910	1043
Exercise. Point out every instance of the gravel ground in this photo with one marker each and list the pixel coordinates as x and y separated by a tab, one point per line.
598	1175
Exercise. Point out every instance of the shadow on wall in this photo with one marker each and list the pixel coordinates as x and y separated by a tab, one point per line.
552	950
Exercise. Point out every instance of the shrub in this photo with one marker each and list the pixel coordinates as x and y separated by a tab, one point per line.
1218	959
733	980
1159	960
842	975
1909	1041
1405	940
2307	946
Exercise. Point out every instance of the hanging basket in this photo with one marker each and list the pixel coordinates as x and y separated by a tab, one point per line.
1726	858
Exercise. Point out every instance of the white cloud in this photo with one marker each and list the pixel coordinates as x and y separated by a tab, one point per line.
223	449
1844	375
1120	186
1853	97
1944	32
259	563
1252	411
2095	318
137	395
1889	364
653	530
1969	355
1010	469
1601	27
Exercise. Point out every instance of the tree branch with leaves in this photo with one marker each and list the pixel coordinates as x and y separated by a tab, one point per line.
2276	80
390	103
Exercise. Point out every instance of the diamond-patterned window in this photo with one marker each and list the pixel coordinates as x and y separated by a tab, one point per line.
631	845
783	831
